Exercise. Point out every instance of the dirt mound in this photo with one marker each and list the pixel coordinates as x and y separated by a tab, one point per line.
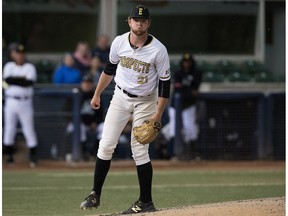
257	207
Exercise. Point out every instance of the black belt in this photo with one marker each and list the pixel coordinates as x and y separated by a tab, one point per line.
127	93
19	98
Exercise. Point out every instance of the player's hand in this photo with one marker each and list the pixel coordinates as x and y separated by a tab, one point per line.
95	102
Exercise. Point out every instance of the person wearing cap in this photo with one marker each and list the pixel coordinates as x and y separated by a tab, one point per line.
20	77
187	81
91	120
139	64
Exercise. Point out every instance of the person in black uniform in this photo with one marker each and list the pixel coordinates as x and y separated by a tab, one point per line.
91	120
186	83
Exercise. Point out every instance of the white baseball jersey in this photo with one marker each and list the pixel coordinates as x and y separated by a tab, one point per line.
139	69
27	71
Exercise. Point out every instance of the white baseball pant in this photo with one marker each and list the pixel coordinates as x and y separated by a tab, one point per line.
23	111
121	109
190	127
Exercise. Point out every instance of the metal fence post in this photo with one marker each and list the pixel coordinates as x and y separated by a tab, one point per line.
178	144
262	141
76	150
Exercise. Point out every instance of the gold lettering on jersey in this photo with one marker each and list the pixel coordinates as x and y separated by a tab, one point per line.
134	64
142	79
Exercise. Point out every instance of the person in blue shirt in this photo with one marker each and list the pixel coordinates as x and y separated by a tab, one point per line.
67	73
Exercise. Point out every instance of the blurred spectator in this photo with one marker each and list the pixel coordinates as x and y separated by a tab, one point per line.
20	77
67	73
186	82
102	49
95	69
91	120
82	56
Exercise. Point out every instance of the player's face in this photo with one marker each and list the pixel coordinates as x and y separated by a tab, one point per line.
139	26
187	64
68	60
19	58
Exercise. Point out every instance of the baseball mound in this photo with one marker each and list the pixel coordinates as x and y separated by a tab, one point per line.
257	207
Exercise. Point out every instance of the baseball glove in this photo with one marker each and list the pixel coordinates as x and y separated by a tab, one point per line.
147	131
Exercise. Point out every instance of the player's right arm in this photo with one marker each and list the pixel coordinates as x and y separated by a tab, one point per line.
107	75
105	78
102	84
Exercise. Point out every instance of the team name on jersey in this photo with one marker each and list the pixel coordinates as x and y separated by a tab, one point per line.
134	64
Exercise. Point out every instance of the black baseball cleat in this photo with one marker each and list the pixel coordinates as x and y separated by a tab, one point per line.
92	201
140	207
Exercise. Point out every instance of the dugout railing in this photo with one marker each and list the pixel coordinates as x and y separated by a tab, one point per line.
233	126
276	131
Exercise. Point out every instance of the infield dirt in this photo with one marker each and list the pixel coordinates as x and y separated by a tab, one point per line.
257	207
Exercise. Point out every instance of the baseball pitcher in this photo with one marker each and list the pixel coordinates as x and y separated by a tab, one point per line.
139	64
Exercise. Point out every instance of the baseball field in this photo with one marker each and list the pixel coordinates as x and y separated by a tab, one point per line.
179	188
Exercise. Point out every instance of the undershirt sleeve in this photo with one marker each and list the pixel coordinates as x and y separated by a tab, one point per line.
110	69
164	88
19	81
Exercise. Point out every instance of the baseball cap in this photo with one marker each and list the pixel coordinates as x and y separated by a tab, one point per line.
187	57
18	47
140	11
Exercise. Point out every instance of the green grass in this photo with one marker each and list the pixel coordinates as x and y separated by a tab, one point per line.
60	192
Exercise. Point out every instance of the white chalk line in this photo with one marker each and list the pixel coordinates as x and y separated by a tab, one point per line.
118	187
169	172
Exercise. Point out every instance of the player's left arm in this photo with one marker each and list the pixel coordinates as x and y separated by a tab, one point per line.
163	69
163	98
